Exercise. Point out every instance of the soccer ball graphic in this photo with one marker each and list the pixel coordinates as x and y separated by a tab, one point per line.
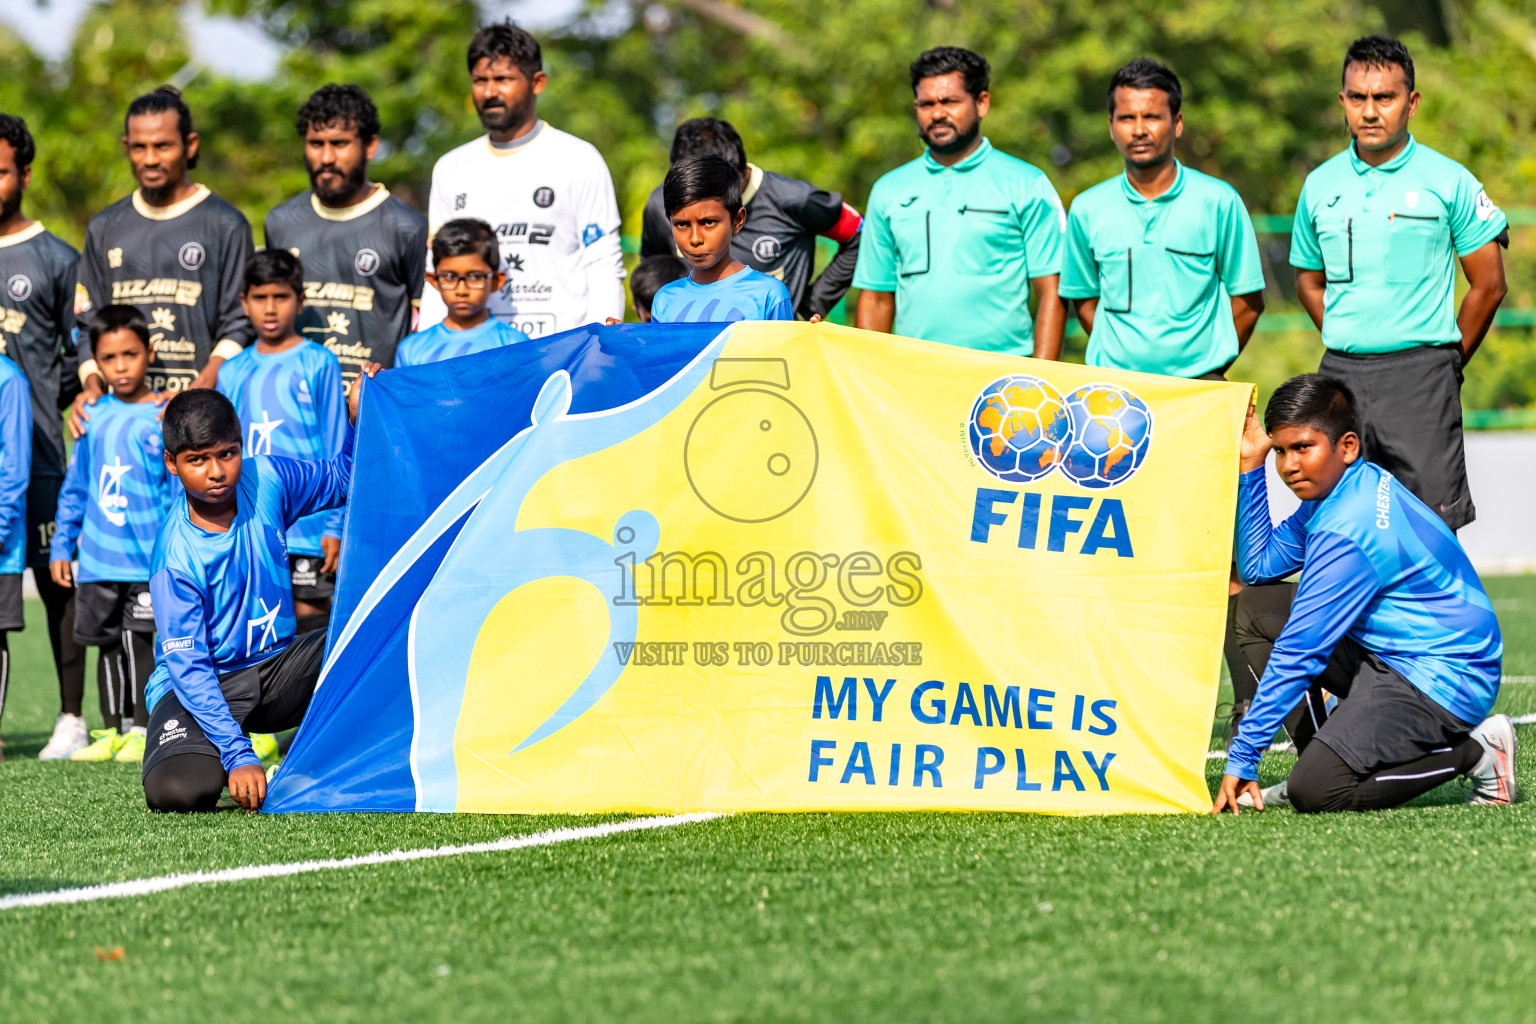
1019	428
1111	432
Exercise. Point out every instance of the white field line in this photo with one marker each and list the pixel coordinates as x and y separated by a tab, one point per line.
1221	755
164	883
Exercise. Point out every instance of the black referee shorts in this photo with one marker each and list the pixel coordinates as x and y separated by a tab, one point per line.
1410	414
268	697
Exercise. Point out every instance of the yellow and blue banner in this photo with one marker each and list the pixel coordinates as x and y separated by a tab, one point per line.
775	567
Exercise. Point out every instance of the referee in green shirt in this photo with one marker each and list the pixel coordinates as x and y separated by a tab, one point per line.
1161	260
1379	230
955	240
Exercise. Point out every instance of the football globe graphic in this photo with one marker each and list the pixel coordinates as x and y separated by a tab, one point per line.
1111	432
1019	428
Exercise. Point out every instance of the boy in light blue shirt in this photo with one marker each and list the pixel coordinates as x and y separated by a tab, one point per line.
15	469
703	201
466	261
115	495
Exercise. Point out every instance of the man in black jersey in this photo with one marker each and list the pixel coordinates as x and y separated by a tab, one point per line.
784	217
364	251
172	249
37	274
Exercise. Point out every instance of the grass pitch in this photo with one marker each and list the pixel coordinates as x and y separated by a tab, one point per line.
1426	912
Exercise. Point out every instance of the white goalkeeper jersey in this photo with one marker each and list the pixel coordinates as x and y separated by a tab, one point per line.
550	199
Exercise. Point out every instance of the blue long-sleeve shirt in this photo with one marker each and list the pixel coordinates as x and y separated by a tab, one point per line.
15	465
224	601
1381	568
291	403
115	494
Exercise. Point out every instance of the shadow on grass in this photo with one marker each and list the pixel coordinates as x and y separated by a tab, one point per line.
25	744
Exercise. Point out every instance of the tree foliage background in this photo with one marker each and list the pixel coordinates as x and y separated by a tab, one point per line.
818	91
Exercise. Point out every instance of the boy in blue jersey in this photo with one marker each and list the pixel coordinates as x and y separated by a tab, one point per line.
1389	616
230	662
289	395
15	471
466	261
703	200
115	495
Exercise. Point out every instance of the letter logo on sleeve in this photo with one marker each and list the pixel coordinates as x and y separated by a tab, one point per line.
180	643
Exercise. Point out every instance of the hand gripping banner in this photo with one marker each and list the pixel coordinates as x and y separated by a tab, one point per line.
775	567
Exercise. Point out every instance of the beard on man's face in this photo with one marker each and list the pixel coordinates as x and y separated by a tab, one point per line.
10	205
958	142
350	182
497	115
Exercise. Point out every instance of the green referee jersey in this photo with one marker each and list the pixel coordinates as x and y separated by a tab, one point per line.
1387	239
1163	271
959	245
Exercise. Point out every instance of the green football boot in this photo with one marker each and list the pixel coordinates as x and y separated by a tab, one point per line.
103	746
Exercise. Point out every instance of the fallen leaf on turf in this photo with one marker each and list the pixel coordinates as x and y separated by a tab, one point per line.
115	953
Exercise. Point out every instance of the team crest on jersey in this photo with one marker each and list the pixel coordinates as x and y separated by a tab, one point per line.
115	257
1484	207
109	492
459	200
192	255
365	262
1412	199
543	197
20	287
590	234
767	249
302	390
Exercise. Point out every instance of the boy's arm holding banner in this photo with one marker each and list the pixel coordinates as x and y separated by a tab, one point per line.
69	517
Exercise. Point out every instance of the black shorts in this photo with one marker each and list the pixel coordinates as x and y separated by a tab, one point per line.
11	617
1410	414
1382	719
309	583
42	505
268	697
103	610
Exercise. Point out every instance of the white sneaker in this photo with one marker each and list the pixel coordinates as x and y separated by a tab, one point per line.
1493	780
1277	795
69	735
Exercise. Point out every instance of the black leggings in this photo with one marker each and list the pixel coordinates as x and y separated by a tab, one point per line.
68	656
185	783
122	671
1321	781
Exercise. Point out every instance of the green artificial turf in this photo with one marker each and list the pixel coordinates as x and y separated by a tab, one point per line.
1427	912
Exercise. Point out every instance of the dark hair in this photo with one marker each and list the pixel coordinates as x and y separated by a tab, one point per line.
945	60
1146	73
1316	401
198	418
165	98
345	106
506	39
118	317
653	272
1380	52
709	136
467	236
14	130
274	266
699	178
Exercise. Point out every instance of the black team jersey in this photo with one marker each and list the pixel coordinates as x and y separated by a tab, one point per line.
37	321
363	270
784	216
182	267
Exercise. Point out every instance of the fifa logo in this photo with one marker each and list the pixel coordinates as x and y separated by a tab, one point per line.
109	492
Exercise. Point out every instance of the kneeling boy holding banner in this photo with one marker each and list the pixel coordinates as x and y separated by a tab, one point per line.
1389	616
229	661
